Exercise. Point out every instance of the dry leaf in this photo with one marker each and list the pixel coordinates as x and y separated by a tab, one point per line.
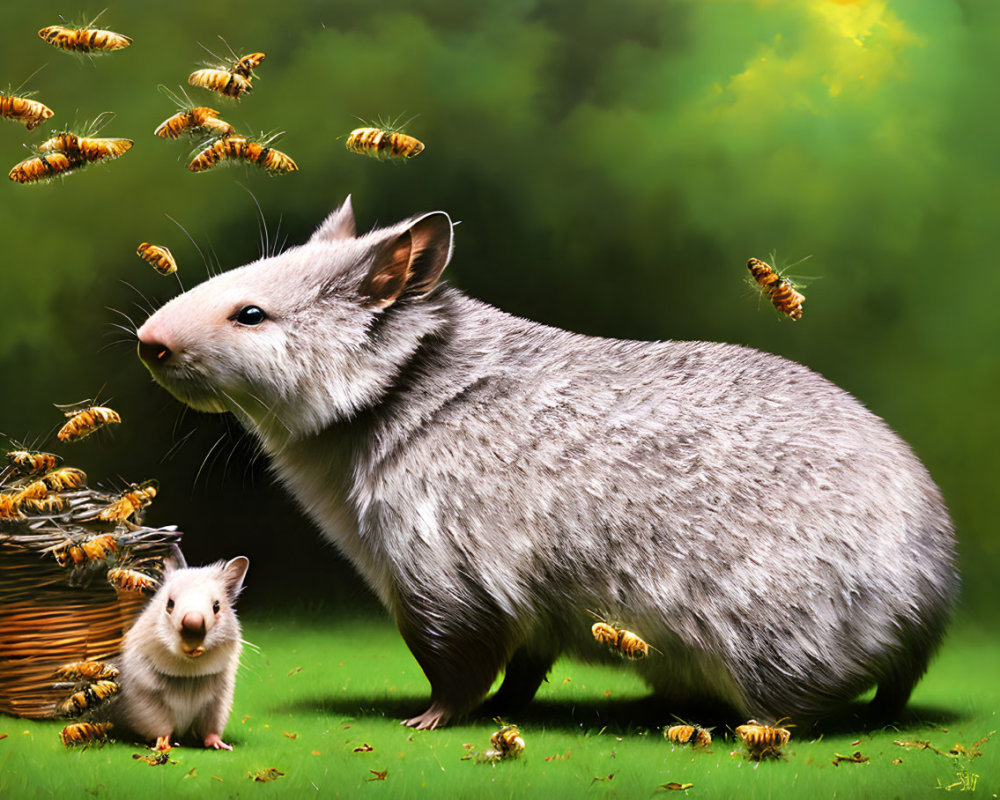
217	778
558	757
677	787
604	778
295	671
3	735
379	776
266	775
291	735
365	748
896	761
316	753
244	720
857	758
158	760
191	773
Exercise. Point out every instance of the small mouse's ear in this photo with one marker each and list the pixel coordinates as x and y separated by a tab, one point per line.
410	263
339	225
233	574
173	560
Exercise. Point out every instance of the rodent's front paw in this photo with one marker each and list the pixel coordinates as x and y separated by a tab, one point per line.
214	741
433	717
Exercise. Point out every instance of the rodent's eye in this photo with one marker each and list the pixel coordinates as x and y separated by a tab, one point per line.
249	315
216	606
170	605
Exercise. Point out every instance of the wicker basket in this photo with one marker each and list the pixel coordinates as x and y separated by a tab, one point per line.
56	609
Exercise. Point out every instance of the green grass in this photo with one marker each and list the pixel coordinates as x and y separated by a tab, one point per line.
345	684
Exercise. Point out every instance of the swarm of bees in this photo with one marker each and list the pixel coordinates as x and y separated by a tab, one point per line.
684	733
383	144
780	290
763	741
623	642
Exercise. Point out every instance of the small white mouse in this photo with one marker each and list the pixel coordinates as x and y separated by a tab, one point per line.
179	659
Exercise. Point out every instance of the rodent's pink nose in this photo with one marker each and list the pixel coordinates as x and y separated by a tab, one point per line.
153	352
193	625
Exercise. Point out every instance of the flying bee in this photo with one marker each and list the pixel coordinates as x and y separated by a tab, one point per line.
129	503
624	642
779	289
84	423
684	733
239	148
763	741
224	82
80	149
91	696
130	580
85	733
508	742
65	478
31	112
40	167
246	65
84	39
191	120
160	257
27	464
87	671
383	144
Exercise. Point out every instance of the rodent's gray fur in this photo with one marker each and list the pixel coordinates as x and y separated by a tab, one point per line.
164	691
497	482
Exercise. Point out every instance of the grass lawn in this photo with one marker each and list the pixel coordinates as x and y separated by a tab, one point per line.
321	703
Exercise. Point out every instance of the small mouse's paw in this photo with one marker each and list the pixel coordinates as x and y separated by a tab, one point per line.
214	741
434	717
163	743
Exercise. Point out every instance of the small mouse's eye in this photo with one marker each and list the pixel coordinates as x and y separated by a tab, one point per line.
170	605
215	606
249	315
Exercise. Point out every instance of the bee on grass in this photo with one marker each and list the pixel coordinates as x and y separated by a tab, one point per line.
86	733
763	741
239	148
384	141
684	733
508	742
28	464
83	423
84	39
130	580
40	167
87	671
89	697
778	287
624	642
160	257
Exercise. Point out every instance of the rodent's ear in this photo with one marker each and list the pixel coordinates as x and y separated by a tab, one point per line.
339	225
410	263
233	574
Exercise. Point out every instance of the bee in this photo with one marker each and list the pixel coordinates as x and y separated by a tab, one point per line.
245	66
130	580
781	291
9	507
508	742
187	121
129	503
33	491
84	423
28	464
40	167
383	144
763	741
85	733
91	549
84	39
625	643
684	733
65	478
160	257
80	149
238	148
221	81
52	504
87	671
31	112
89	697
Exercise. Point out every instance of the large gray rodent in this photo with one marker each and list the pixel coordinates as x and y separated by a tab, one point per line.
495	480
179	659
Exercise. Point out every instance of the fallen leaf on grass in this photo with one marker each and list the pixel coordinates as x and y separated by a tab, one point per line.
265	775
896	761
155	761
217	778
855	744
558	757
316	753
378	776
244	720
295	671
674	786
857	758
291	735
604	778
3	735
365	748
918	744
566	680
191	773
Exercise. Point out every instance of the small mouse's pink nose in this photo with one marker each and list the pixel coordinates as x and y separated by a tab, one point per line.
193	625
153	353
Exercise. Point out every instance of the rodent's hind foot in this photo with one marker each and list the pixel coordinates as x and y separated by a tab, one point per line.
214	741
434	717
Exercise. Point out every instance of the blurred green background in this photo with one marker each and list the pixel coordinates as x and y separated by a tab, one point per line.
613	166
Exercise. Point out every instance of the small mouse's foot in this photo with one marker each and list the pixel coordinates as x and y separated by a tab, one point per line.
163	743
434	717
214	741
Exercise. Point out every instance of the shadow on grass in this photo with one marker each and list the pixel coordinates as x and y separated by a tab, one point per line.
620	716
